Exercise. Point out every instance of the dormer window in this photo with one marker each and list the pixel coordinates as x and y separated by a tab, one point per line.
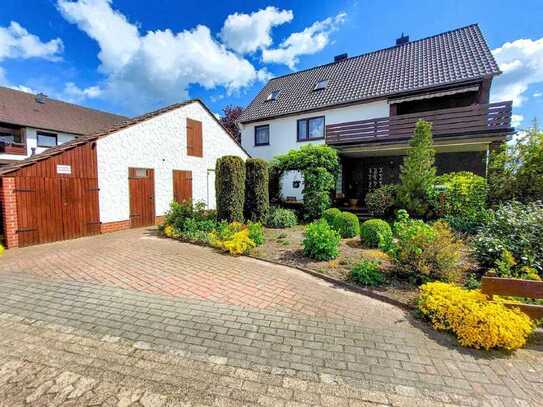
320	85
272	96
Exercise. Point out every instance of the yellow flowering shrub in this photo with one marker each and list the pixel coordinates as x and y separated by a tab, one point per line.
476	321
232	238
168	231
1	249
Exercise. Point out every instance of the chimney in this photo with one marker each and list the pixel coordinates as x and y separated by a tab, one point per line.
404	39
340	57
41	97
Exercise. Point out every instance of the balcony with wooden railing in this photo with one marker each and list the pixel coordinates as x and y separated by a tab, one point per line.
12	141
460	121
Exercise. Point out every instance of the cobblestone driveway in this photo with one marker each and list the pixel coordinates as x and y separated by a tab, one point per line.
132	319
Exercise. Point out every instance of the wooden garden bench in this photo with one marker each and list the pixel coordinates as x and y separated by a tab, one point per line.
492	285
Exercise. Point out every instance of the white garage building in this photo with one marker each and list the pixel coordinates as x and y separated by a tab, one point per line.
117	179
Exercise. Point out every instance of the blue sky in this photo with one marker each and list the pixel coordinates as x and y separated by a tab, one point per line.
130	56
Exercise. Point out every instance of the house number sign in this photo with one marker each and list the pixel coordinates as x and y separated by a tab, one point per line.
64	169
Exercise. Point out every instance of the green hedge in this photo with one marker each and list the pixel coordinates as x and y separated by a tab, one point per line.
256	190
230	188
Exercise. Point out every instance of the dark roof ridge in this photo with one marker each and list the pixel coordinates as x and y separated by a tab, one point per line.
476	25
64	102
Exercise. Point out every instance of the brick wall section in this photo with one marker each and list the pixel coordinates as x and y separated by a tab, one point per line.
9	212
114	226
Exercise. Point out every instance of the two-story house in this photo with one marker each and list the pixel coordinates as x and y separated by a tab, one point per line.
30	124
367	106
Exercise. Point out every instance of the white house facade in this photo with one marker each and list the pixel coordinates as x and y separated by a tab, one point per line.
367	106
283	134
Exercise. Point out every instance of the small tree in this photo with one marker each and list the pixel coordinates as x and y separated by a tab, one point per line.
256	190
229	119
319	165
417	172
230	188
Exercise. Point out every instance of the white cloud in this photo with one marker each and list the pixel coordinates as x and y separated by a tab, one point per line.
521	62
74	93
309	41
157	67
17	42
245	33
516	119
537	94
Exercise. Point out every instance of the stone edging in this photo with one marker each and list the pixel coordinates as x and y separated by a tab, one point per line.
343	284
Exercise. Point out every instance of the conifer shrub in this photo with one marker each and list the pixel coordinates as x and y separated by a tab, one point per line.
256	190
230	188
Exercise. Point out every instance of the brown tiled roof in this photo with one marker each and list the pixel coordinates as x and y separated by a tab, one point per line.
94	136
456	56
22	109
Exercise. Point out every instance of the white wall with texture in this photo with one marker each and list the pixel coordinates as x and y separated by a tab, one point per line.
160	143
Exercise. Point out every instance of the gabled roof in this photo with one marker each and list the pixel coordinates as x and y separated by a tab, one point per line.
113	129
23	109
456	56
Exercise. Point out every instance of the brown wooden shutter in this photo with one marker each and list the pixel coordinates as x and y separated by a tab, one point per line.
194	138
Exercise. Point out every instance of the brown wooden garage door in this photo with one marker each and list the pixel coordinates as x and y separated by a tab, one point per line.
50	209
182	185
141	182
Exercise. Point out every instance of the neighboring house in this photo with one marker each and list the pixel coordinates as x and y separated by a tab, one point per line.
30	124
367	106
120	178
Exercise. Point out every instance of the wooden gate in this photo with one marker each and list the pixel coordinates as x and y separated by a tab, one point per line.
51	209
141	183
182	185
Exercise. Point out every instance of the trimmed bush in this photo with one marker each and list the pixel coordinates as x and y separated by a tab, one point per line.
348	224
256	190
321	241
345	223
381	201
331	216
476	321
189	221
230	188
280	218
375	232
367	272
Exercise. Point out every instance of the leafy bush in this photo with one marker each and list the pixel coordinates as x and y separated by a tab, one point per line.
280	218
256	190
381	201
1	249
461	200
256	233
476	321
425	252
516	171
348	225
367	272
331	215
321	241
417	172
514	227
232	238
375	232
189	221
230	188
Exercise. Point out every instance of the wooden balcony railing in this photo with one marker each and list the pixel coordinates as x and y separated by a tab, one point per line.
475	119
13	148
